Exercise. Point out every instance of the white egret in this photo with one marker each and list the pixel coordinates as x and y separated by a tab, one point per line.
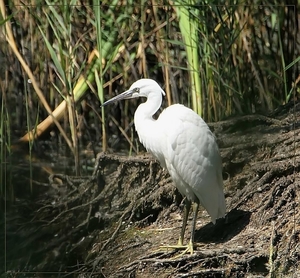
183	143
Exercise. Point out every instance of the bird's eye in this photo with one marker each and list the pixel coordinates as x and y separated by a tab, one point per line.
136	90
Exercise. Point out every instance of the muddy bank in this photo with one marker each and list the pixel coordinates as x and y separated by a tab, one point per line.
112	223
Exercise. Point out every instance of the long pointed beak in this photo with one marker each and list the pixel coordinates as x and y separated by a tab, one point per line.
127	94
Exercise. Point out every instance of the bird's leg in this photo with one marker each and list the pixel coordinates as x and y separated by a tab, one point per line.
195	213
180	245
186	212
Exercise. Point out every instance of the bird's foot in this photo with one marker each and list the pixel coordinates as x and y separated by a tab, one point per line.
186	248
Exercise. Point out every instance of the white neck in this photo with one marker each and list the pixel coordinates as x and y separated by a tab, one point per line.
146	110
147	128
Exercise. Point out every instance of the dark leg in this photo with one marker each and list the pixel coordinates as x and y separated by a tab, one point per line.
195	213
186	212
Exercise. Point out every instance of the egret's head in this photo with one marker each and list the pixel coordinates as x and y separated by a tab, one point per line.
141	88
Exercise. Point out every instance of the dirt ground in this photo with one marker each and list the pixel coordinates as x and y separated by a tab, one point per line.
114	223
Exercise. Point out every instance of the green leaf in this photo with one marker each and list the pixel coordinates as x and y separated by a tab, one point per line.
54	57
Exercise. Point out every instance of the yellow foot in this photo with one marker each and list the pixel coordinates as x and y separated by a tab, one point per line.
186	248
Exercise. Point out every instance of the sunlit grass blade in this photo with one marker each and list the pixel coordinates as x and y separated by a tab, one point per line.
189	30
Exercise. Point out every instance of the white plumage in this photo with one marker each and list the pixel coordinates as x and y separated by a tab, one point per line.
183	143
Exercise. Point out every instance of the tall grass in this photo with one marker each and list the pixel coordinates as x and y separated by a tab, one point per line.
62	52
226	60
189	27
99	75
108	48
29	127
6	187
